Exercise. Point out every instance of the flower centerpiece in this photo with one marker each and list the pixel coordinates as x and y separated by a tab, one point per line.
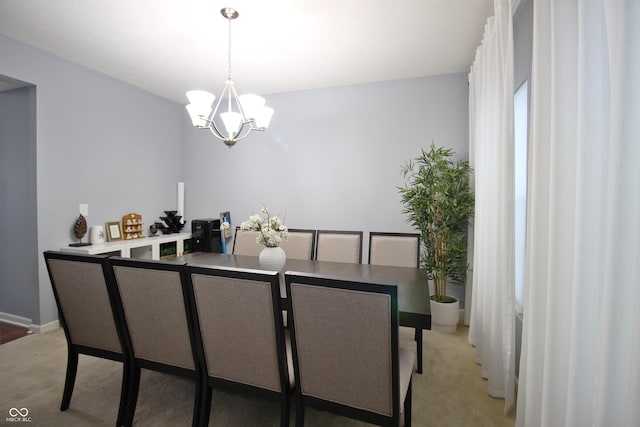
271	230
271	233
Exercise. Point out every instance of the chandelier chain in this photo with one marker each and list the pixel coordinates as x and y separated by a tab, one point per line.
229	52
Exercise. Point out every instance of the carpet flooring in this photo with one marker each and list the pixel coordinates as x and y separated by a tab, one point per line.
449	393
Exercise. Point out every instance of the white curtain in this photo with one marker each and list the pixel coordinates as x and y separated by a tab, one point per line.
492	323
580	362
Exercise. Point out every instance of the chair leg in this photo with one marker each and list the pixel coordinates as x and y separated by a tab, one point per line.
419	349
205	404
124	395
134	386
285	408
197	406
299	412
407	406
72	368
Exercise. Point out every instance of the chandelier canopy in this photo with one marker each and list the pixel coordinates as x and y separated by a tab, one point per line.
242	114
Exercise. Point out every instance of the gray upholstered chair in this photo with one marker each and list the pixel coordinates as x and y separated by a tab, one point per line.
394	249
346	357
339	246
152	306
300	244
244	243
239	333
86	314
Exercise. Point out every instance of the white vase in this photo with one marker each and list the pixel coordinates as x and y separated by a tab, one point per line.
96	234
273	258
445	316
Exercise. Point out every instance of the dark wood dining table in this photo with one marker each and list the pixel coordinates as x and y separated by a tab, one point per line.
413	292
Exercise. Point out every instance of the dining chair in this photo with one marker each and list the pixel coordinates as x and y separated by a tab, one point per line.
300	244
152	308
397	250
239	334
85	311
394	249
346	356
339	246
244	243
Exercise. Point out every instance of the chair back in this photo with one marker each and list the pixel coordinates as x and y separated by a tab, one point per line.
345	344
394	249
238	314
339	246
83	300
300	244
153	306
244	243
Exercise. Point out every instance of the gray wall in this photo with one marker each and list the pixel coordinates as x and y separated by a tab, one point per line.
331	158
18	228
99	141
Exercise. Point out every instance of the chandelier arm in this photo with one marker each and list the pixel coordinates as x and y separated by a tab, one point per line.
215	110
234	93
241	137
215	131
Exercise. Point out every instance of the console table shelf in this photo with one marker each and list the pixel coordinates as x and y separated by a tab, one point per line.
124	247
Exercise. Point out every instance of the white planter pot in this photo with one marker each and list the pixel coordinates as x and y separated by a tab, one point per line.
273	259
445	316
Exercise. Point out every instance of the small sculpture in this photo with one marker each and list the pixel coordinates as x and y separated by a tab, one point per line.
79	230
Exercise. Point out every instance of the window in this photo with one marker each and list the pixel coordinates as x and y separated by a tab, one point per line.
521	132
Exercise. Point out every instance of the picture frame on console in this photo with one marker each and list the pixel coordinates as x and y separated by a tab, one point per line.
114	231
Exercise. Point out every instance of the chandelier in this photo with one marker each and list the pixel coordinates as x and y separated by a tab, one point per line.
234	119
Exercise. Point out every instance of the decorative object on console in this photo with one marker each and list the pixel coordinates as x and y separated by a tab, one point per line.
205	234
96	234
153	229
439	202
132	226
114	232
79	230
170	223
180	201
271	233
243	114
224	230
225	217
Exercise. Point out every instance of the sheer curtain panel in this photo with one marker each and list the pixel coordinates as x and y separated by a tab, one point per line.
580	361
492	323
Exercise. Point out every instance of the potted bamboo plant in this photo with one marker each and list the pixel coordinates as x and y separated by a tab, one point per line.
439	202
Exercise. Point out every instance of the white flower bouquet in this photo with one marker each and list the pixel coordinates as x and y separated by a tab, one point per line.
271	230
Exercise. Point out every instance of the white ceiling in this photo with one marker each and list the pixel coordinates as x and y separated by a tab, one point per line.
170	46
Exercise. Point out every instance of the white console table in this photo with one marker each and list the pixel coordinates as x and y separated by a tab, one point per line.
125	247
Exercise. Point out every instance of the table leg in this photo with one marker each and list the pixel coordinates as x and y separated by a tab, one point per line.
419	347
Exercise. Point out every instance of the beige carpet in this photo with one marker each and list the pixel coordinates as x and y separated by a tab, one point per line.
449	393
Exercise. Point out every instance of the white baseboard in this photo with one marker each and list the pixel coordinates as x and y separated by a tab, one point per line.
15	320
47	327
26	323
